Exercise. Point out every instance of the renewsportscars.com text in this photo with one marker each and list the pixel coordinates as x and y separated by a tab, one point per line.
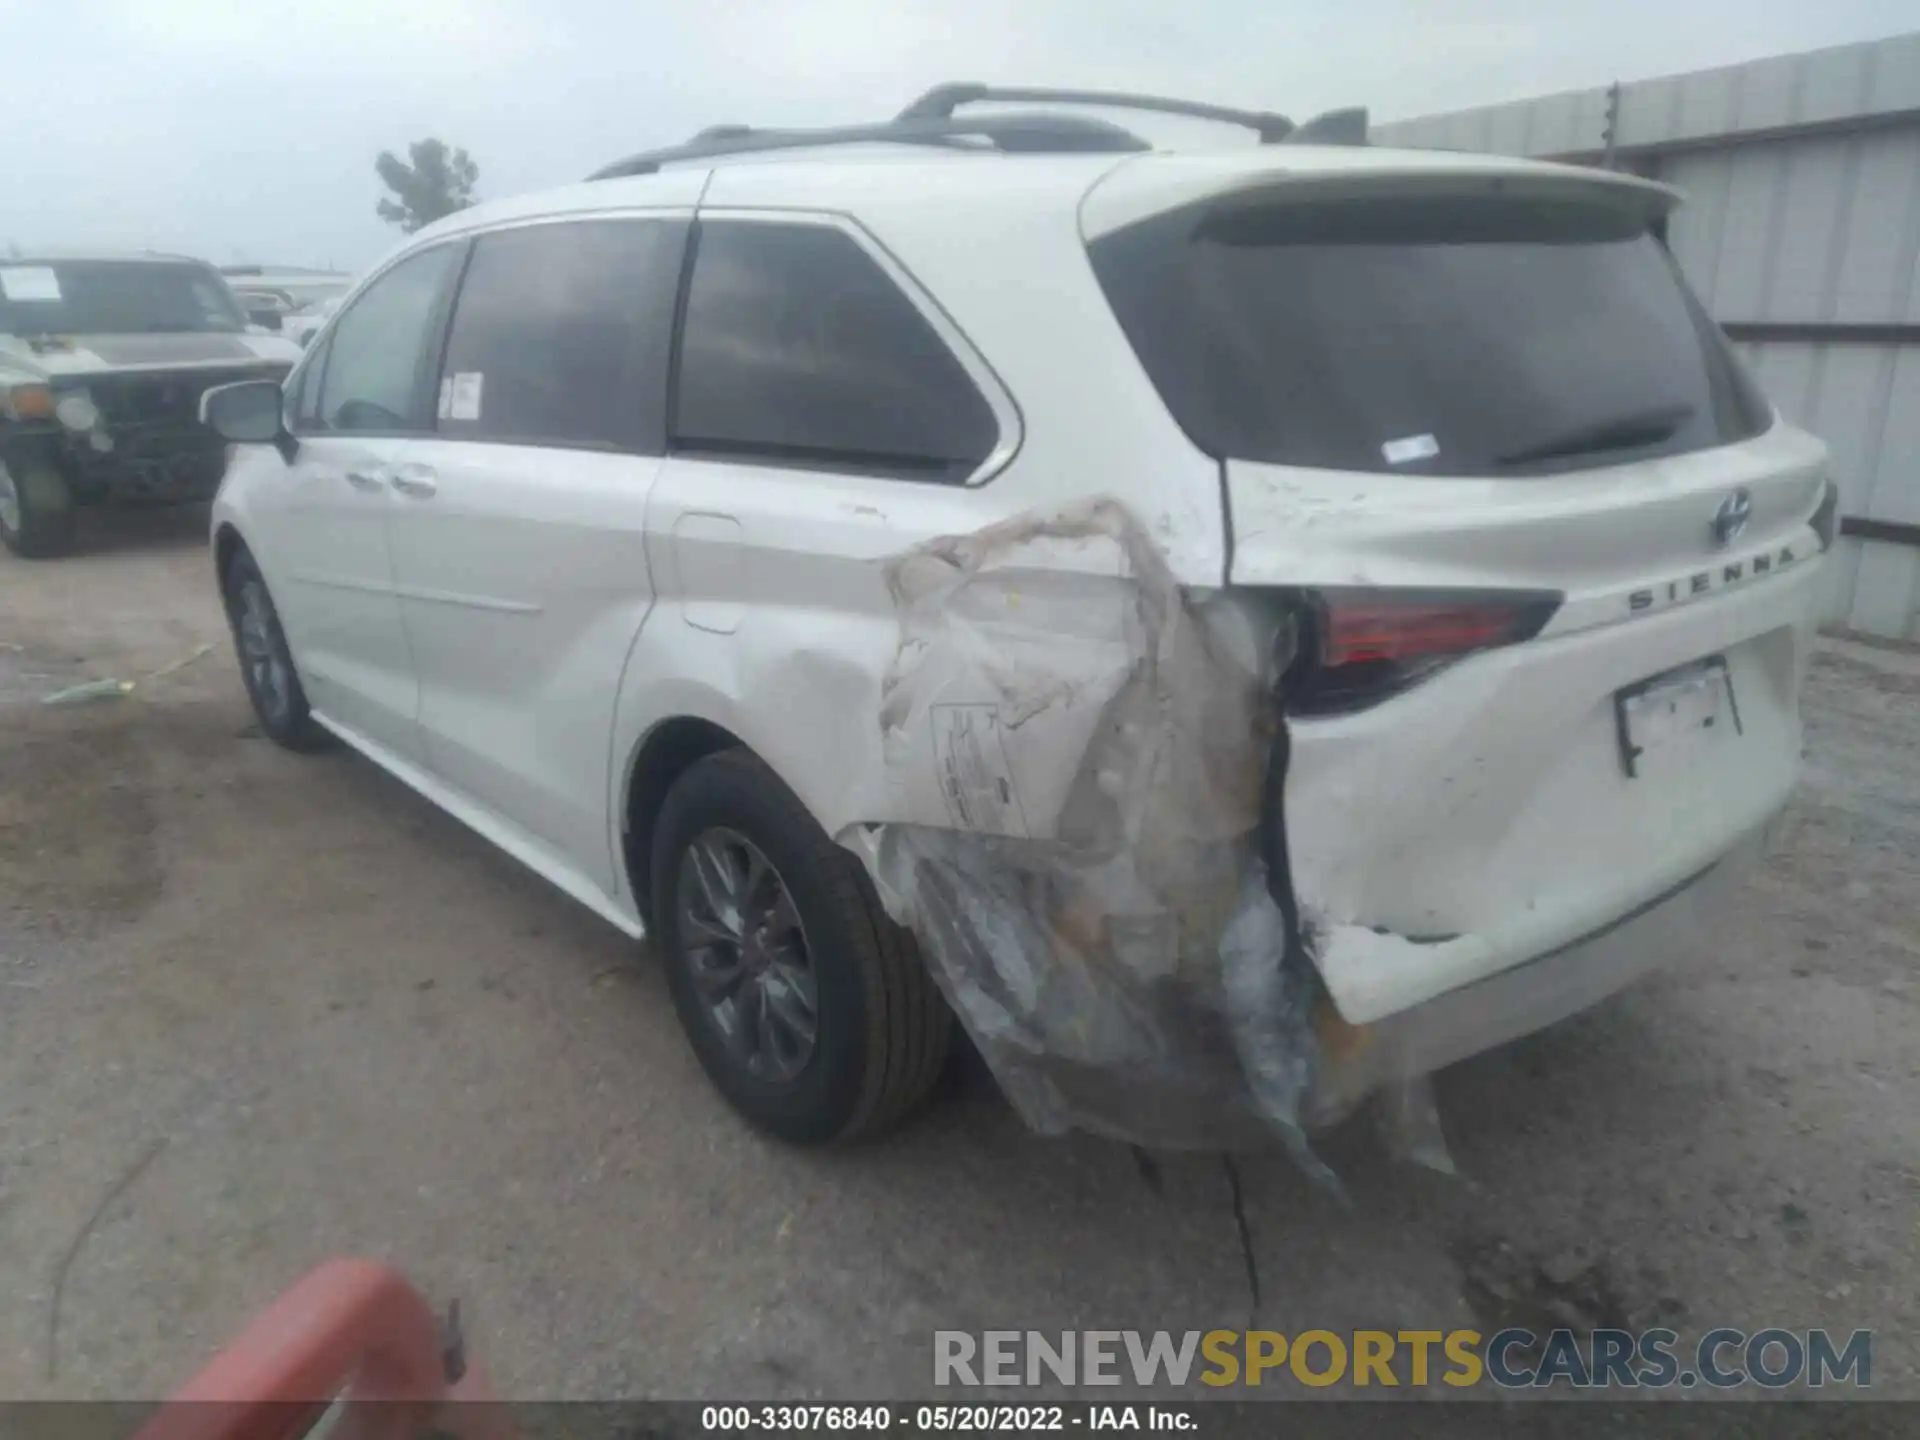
1720	1359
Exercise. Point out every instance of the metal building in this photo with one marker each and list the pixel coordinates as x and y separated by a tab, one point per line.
1801	233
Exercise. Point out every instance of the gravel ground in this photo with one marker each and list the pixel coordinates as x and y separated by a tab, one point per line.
330	1020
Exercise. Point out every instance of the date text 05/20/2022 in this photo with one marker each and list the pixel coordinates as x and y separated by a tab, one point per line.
941	1419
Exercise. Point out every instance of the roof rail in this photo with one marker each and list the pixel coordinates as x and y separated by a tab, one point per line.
1334	127
1022	134
939	103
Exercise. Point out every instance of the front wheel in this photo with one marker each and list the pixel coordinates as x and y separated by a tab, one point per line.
266	665
807	1007
36	508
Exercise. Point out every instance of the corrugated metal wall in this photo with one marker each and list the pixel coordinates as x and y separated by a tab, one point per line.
1803	181
1825	229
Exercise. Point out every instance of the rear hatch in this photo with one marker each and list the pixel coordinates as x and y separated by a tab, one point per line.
1552	554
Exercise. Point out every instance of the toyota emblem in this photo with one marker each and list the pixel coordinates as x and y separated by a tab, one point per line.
1732	516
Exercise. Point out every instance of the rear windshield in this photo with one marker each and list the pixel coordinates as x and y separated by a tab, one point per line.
1458	336
113	297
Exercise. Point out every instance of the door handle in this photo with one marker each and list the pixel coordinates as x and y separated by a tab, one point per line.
418	481
365	479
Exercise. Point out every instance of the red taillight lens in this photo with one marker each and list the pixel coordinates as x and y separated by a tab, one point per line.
1370	644
1366	630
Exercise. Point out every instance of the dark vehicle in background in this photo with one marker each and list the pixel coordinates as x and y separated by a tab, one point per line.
103	360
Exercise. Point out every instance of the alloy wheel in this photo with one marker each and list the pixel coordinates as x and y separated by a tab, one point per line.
747	954
261	654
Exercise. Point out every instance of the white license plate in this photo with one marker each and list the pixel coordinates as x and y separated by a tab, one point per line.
1669	718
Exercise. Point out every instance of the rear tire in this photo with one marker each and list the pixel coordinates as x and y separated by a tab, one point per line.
36	508
266	665
881	1031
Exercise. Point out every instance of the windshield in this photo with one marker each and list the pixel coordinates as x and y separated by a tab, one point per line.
1448	336
114	297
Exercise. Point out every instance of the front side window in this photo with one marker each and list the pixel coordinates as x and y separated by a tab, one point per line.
562	333
114	297
376	366
302	402
798	348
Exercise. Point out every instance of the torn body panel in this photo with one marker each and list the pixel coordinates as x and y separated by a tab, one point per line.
1169	912
1092	743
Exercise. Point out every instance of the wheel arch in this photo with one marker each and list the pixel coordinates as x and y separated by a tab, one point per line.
227	543
664	754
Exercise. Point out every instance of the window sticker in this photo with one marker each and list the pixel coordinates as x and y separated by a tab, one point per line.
464	401
1413	447
29	282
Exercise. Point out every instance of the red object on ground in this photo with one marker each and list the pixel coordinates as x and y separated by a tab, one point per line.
351	1331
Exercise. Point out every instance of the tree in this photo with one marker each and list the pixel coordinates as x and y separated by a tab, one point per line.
437	183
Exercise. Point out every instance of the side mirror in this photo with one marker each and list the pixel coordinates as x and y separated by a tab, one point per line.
246	413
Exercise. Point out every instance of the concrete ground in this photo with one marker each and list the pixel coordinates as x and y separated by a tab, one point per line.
319	1017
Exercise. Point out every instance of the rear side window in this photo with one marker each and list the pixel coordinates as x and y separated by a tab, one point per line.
1448	336
561	335
798	348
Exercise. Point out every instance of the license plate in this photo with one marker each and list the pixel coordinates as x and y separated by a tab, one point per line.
1671	716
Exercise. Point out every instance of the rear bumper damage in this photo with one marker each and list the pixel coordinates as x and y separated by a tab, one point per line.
1089	766
1482	820
1353	1061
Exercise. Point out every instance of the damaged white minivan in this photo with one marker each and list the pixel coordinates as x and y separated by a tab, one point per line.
1236	629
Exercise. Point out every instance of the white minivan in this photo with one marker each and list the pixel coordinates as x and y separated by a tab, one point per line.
583	516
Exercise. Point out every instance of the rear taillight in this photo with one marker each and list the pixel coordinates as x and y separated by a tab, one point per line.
1365	645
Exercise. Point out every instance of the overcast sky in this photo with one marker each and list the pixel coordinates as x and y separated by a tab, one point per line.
247	131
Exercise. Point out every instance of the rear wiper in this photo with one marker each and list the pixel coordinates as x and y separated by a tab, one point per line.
1620	432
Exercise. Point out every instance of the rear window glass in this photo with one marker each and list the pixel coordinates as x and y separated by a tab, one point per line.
1459	336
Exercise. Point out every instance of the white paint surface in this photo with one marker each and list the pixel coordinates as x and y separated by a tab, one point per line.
517	636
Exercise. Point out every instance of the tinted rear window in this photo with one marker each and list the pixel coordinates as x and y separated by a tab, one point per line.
799	349
1472	336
